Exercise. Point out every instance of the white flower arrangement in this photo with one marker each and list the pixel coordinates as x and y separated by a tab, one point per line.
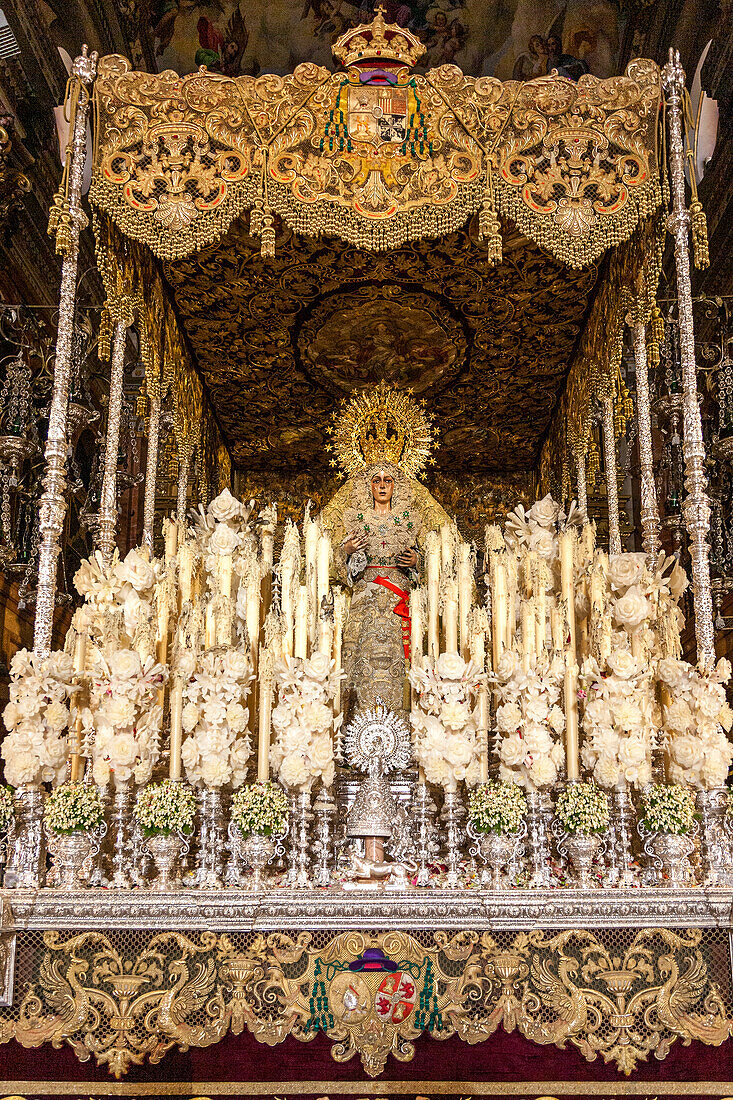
530	722
123	720
582	808
119	598
303	721
497	808
260	809
444	721
218	747
73	807
165	808
696	718
7	809
37	718
668	809
619	718
537	528
223	529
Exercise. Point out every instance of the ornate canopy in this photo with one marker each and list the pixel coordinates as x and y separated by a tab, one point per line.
321	231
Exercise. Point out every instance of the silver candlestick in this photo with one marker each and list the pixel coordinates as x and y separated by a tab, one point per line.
325	814
301	817
120	856
424	811
618	849
712	806
27	861
452	814
211	838
539	852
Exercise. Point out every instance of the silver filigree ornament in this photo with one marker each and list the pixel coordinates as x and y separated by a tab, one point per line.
378	732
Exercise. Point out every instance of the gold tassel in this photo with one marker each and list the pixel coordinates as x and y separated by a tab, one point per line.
255	219
700	250
489	226
268	234
655	338
59	223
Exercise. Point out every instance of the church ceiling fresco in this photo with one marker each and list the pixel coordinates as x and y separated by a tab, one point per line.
279	342
518	39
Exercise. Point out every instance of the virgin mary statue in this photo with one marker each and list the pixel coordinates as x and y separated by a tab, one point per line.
378	521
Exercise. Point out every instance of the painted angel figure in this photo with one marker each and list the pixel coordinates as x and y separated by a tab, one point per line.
378	522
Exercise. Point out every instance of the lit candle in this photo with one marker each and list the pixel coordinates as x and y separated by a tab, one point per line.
465	594
174	769
266	678
301	622
432	560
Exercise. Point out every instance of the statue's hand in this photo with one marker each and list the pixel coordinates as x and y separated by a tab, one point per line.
408	559
353	543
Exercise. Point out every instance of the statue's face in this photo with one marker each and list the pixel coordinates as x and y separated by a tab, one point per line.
382	487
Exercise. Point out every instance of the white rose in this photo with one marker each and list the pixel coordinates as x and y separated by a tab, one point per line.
686	751
537	740
186	664
606	742
622	664
282	718
101	772
678	716
215	771
628	715
294	771
224	540
710	701
189	716
450	666
119	712
598	712
543	772
458	750
125	664
236	665
715	767
240	753
225	507
536	708
237	716
508	717
674	672
508	665
22	767
544	543
625	570
321	752
11	716
214	741
454	716
606	771
723	670
137	571
21	663
632	609
544	512
631	751
557	719
512	751
59	666
725	717
122	751
318	667
296	739
190	754
142	772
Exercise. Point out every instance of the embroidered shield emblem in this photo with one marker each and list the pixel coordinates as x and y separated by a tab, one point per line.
377	113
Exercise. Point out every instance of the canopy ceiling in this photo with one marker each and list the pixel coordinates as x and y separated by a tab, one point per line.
280	342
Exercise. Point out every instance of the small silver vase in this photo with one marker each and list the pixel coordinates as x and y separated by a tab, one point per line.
497	851
73	856
669	855
582	851
257	851
166	852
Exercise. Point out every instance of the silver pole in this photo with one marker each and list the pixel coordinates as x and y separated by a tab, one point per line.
697	503
108	503
151	469
650	525
52	505
609	455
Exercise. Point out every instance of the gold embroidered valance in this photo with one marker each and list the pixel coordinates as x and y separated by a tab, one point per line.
573	165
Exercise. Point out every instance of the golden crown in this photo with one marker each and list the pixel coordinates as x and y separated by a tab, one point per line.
385	41
382	425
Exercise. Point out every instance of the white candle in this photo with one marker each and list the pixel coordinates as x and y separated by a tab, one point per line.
567	584
432	549
465	594
571	716
170	532
210	626
499	609
416	630
174	769
301	622
323	568
185	572
311	533
450	617
447	546
263	736
528	635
